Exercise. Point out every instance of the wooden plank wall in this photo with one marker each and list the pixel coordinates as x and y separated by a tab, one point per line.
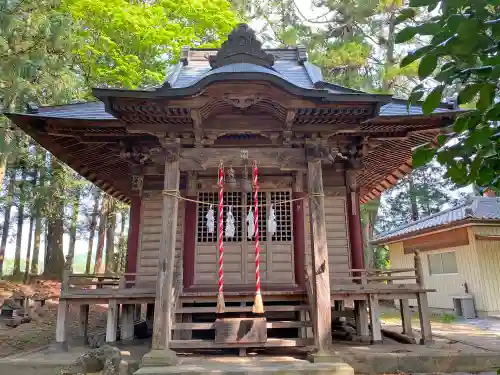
150	235
337	236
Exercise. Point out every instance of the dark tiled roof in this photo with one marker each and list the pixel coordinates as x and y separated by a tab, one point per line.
476	208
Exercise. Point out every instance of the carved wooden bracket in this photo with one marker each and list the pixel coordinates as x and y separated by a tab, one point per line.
242	101
137	183
241	47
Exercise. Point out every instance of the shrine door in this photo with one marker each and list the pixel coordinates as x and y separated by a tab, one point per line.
276	251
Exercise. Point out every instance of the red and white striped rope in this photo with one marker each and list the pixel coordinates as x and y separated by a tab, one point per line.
255	174
221	229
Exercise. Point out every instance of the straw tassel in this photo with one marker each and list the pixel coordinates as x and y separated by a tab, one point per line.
258	304
220	296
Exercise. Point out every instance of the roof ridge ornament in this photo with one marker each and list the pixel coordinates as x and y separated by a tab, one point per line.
241	46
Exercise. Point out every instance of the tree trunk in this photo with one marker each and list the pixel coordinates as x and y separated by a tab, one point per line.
20	222
110	236
6	220
55	261
413	198
72	230
101	235
38	217
389	56
4	157
93	225
30	236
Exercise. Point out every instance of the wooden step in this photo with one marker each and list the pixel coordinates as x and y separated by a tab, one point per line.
231	309
270	325
210	344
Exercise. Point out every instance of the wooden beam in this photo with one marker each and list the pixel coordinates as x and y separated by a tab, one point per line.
487	237
196	159
320	270
162	324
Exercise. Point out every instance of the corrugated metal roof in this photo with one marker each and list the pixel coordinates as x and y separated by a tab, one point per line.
476	208
401	109
290	71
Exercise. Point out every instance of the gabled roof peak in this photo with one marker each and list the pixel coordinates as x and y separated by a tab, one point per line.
241	46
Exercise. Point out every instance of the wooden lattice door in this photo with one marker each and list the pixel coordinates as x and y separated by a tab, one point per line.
276	255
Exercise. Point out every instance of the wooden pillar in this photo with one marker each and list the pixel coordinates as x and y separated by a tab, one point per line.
133	235
83	324
299	243
375	318
423	305
354	219
361	317
162	323
137	312
404	306
112	321
188	254
62	324
320	270
127	323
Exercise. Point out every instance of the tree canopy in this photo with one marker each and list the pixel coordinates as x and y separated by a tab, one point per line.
461	60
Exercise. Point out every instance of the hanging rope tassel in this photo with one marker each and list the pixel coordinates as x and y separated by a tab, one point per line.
220	297
258	304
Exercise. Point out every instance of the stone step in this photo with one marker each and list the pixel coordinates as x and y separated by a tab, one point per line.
231	309
210	344
256	367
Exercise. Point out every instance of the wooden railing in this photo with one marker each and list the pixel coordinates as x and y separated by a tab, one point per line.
413	275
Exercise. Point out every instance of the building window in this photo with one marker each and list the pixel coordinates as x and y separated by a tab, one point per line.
442	263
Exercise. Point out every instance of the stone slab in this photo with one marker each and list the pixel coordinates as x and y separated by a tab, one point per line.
297	367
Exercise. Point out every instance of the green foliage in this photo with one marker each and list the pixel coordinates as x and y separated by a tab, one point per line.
424	192
128	44
462	53
447	318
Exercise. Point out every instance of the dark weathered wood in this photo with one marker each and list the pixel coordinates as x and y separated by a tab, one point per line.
405	311
269	325
209	344
191	310
162	325
127	323
320	269
241	330
425	323
83	323
133	235
62	324
361	317
112	321
271	157
375	318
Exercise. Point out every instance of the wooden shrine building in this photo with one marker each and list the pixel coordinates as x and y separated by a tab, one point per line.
320	149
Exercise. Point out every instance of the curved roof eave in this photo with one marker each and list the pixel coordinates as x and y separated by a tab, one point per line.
197	87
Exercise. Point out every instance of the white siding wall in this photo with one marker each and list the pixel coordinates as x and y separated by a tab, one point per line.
446	285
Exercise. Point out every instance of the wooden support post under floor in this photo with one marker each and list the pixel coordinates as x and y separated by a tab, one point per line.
375	318
62	324
127	323
161	354
83	324
404	305
425	323
362	326
112	321
320	269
